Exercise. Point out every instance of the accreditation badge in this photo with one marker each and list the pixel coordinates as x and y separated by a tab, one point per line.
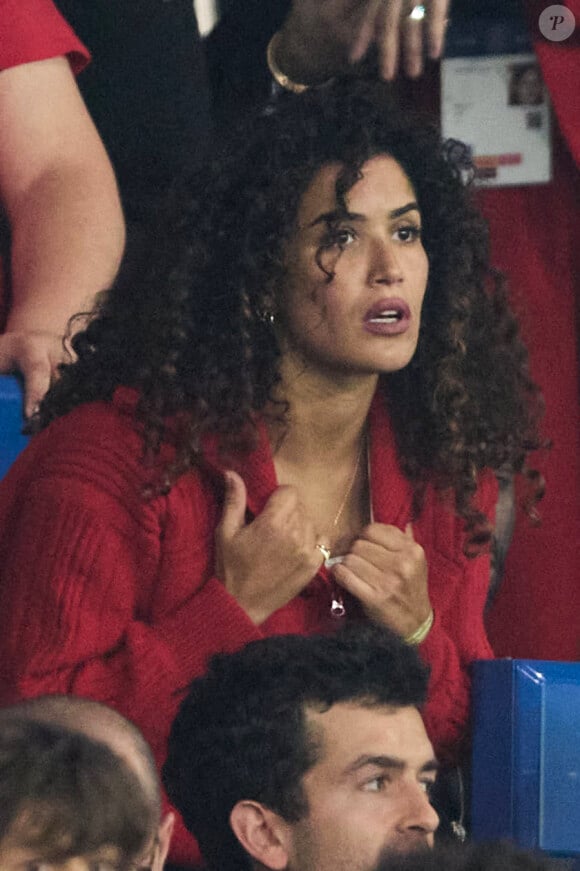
493	98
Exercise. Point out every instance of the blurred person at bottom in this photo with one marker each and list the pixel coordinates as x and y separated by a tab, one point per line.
306	753
102	724
68	802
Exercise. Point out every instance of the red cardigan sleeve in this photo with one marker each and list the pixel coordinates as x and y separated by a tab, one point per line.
104	594
33	30
458	589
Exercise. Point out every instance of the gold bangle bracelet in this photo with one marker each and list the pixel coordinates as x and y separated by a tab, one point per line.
420	634
283	80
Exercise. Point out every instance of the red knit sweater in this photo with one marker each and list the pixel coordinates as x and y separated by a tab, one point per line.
107	595
535	236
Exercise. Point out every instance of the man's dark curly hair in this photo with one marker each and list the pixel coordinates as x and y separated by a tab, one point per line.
241	732
65	795
190	331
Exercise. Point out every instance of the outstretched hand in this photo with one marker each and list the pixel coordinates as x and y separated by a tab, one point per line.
386	570
36	355
267	562
321	38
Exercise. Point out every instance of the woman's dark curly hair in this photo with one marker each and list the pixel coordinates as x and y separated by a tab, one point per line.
190	332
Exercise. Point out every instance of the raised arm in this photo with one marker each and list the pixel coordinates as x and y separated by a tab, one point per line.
320	39
67	230
316	40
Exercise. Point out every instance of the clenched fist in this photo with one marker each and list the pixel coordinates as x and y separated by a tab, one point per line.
386	571
266	563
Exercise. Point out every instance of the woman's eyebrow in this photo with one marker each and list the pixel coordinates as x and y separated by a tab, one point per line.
340	215
336	215
410	207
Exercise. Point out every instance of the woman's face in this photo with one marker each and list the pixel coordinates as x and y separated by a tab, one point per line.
530	87
366	319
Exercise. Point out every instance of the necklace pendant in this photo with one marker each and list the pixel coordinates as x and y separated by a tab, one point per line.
337	609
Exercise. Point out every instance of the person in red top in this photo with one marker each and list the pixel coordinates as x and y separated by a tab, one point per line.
57	190
298	424
542	262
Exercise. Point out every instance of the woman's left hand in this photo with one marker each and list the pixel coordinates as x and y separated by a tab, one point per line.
386	571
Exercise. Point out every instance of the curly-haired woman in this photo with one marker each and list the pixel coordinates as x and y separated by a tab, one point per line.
291	419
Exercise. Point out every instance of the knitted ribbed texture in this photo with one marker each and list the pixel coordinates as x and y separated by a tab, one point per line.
106	595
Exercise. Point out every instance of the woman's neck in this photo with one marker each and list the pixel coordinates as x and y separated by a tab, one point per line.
326	416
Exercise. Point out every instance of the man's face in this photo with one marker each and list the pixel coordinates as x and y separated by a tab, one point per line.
369	791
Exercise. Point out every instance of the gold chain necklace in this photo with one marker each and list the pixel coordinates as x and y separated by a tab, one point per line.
337	608
348	490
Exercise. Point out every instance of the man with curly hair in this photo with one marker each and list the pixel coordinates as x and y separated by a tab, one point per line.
306	753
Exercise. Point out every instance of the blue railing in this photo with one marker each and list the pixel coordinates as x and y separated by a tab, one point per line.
11	422
526	754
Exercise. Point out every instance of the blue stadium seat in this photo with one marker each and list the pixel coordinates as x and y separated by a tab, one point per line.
11	422
526	754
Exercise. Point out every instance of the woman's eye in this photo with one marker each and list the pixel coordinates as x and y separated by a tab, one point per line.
427	786
408	233
341	237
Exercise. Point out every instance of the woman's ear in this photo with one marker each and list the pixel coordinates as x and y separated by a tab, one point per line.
263	834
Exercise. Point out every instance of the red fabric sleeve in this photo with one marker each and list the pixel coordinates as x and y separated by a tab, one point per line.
458	637
32	30
560	63
69	612
103	595
542	261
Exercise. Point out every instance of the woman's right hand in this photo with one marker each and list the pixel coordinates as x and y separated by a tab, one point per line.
266	563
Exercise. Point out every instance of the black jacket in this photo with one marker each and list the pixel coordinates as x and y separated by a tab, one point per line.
156	91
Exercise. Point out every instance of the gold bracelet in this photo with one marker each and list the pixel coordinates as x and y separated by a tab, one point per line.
283	80
420	634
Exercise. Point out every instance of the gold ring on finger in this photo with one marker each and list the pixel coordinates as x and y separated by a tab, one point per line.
325	551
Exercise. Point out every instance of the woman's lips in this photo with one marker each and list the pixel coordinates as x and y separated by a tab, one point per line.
388	317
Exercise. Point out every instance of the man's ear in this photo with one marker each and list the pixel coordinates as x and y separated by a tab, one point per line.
263	834
164	835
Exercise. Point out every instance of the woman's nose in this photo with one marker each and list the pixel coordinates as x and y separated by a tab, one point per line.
384	264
